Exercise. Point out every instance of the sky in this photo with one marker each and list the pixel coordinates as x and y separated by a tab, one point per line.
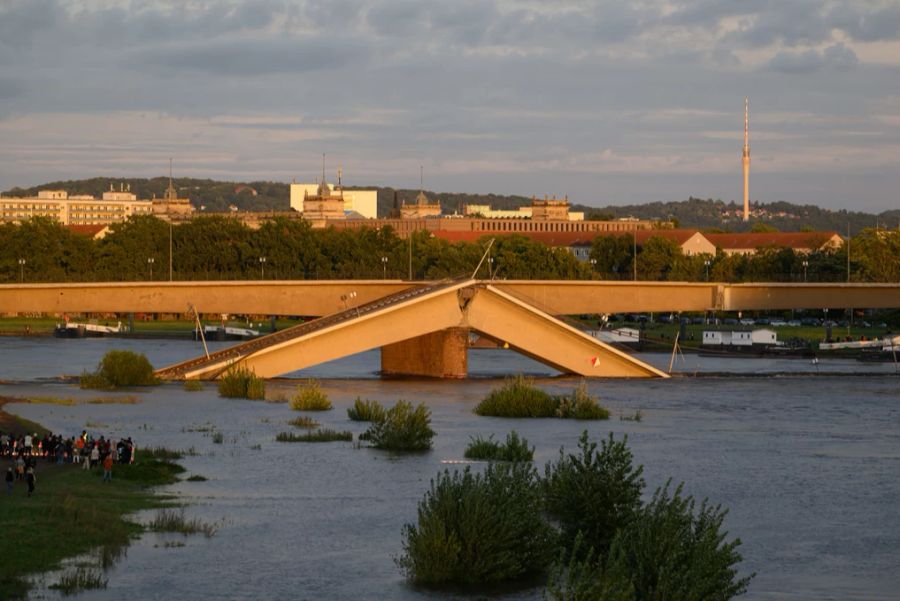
607	102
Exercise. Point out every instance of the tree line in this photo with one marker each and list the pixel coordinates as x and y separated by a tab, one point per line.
220	248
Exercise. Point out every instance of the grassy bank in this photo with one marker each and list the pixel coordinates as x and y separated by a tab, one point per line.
73	512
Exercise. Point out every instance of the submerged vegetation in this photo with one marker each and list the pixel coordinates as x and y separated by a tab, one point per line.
487	449
193	385
607	543
118	369
402	428
520	397
174	520
242	383
310	397
322	435
365	411
80	579
303	422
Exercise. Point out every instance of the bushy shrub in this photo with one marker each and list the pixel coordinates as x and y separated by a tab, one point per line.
310	397
120	368
518	397
323	435
193	385
402	428
581	405
242	383
487	449
671	550
478	529
365	411
595	492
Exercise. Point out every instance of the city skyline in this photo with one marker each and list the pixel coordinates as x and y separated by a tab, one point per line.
612	104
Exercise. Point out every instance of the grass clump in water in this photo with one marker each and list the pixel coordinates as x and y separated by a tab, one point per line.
171	520
304	422
402	428
518	397
637	416
218	438
80	579
479	529
118	369
323	435
365	410
242	383
193	385
310	397
488	449
581	405
196	478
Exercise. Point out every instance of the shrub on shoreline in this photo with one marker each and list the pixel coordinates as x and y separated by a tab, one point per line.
487	449
242	383
402	428
310	397
118	369
478	529
365	410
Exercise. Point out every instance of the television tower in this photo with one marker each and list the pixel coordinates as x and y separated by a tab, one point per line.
745	160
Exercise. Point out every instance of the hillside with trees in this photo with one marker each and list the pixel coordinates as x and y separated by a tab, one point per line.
705	214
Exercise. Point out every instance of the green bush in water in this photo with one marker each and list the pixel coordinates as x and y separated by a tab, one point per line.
118	369
193	385
518	397
581	405
478	529
242	383
365	411
402	428
671	550
595	492
487	449
310	397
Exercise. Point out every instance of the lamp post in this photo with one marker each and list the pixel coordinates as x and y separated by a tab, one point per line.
150	262
383	268
805	265
491	268
262	268
706	264
593	267
22	271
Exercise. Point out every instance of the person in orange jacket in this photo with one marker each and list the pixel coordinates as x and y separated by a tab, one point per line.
107	468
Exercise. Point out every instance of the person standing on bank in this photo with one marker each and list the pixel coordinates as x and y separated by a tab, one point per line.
9	480
107	468
30	479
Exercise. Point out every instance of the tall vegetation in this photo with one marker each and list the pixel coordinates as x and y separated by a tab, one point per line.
402	428
310	397
478	529
520	397
118	369
242	383
365	411
514	448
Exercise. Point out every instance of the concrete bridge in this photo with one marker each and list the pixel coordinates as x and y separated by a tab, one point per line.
422	328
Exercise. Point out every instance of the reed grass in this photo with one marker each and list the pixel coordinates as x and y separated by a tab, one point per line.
321	435
242	383
218	438
80	579
365	410
69	401
303	422
580	405
172	520
637	416
310	397
517	397
488	449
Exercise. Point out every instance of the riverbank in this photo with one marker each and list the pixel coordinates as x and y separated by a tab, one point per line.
73	512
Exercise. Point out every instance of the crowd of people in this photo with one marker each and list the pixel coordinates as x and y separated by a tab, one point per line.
25	451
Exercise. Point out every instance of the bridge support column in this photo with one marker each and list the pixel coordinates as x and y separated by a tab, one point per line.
440	354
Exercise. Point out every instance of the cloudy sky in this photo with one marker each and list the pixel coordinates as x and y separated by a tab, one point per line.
610	101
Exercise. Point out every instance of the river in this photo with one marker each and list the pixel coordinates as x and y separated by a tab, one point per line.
807	464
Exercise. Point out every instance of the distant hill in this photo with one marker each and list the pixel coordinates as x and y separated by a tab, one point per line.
706	214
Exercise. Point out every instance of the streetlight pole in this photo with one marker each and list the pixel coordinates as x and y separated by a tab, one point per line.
150	263
593	267
490	268
383	268
21	271
706	263
805	265
262	268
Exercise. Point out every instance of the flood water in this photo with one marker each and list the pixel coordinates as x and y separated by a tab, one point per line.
808	466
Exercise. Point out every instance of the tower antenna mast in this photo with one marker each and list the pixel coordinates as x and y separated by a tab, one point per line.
745	159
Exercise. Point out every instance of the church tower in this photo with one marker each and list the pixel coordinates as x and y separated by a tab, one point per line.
745	160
